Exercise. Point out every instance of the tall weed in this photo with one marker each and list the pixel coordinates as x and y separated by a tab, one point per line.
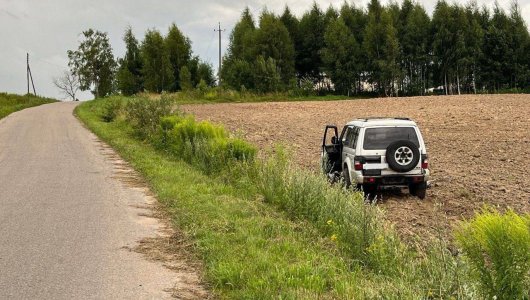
205	145
356	227
497	247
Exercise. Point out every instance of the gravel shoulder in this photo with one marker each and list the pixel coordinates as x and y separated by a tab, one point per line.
479	147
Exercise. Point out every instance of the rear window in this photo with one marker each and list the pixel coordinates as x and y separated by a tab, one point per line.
380	138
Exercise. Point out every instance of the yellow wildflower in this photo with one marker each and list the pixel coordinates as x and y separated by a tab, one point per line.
333	237
330	222
429	294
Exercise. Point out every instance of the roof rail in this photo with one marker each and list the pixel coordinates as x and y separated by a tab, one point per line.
382	118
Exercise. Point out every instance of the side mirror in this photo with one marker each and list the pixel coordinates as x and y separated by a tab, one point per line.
334	140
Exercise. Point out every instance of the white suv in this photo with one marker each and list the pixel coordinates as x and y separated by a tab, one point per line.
377	153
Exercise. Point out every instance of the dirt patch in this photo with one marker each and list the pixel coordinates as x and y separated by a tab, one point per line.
169	247
479	147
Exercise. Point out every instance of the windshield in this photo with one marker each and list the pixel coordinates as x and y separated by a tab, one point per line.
380	138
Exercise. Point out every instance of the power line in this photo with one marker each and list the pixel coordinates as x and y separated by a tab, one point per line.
50	63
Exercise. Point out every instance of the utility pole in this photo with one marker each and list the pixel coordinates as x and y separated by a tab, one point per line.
219	70
27	70
29	76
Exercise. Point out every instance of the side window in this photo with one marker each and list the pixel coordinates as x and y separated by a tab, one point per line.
347	136
354	138
349	139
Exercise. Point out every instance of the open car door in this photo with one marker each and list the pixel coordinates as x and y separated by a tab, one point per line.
331	150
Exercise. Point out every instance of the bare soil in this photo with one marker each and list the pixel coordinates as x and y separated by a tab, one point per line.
479	147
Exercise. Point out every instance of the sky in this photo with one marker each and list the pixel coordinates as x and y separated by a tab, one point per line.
46	29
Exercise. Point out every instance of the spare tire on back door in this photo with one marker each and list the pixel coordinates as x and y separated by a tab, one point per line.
402	156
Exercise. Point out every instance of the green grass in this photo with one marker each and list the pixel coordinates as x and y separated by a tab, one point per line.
250	250
266	229
10	103
257	246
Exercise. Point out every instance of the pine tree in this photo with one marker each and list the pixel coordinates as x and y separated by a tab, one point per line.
267	76
496	64
236	71
157	72
381	48
309	62
341	56
242	38
185	79
238	74
292	24
520	42
415	48
129	76
273	41
474	37
356	20
179	49
205	73
442	41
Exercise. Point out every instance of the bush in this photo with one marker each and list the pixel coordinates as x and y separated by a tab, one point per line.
202	144
497	247
111	109
144	114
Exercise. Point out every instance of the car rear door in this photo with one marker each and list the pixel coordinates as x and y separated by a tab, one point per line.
373	148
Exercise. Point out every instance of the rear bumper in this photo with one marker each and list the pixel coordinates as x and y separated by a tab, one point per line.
403	180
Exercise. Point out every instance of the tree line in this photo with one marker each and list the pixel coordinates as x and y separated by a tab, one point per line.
158	63
390	50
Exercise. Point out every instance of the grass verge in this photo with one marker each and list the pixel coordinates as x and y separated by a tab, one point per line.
291	237
250	250
10	103
266	229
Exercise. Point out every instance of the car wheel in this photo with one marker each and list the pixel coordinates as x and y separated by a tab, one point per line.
412	189
346	177
370	191
419	190
402	156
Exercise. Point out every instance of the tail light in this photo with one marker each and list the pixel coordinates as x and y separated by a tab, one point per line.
424	162
358	163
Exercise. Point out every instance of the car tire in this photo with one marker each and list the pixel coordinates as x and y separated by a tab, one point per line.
419	190
370	192
412	189
402	156
346	177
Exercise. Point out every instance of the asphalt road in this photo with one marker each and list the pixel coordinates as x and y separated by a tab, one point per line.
66	223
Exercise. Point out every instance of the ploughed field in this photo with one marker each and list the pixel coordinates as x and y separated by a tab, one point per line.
478	145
